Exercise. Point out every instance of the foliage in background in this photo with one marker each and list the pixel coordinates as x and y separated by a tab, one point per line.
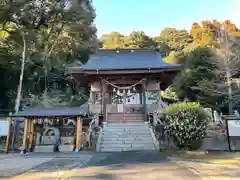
169	93
172	40
58	34
57	98
67	26
185	124
198	67
226	61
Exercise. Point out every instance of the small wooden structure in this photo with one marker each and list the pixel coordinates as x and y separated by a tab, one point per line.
30	115
121	82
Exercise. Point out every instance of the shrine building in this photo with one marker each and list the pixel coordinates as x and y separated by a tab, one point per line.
125	83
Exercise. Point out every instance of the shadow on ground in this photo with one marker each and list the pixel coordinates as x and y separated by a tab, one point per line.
111	166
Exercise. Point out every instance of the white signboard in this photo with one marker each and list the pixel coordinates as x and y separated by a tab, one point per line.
4	127
234	127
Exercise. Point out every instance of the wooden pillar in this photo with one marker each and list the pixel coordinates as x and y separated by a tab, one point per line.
25	134
104	100
144	100
91	98
8	137
31	133
78	134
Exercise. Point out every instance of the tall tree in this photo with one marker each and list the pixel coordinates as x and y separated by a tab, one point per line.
55	31
198	67
113	40
227	61
176	40
207	32
138	39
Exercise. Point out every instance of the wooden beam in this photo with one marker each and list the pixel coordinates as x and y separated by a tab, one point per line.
78	134
123	71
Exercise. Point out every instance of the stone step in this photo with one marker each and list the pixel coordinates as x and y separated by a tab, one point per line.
114	149
136	132
126	149
147	144
127	139
135	125
129	134
124	121
126	114
128	142
124	117
125	129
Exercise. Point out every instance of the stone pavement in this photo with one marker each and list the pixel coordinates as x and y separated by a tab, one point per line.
13	165
133	166
110	166
118	166
226	169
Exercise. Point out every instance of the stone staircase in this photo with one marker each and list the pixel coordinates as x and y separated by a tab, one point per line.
115	137
125	118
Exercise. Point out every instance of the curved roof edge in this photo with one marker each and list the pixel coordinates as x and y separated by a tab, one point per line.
124	59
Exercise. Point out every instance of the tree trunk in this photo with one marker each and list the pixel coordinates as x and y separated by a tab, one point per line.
18	98
19	92
230	96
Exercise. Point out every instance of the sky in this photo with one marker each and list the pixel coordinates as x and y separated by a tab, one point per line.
152	16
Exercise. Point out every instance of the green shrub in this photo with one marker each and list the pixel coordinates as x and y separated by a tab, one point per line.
173	108
186	124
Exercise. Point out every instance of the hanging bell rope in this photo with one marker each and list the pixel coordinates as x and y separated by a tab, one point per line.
125	87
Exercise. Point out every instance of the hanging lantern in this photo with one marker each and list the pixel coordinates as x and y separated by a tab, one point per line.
129	92
134	89
124	91
114	89
118	92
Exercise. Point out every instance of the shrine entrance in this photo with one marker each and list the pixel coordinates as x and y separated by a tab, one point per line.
124	102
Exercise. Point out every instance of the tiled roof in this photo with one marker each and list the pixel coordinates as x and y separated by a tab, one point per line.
52	112
125	59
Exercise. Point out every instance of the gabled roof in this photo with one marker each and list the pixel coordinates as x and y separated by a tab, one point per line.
123	59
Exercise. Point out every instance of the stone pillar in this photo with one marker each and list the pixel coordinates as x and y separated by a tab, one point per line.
78	134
